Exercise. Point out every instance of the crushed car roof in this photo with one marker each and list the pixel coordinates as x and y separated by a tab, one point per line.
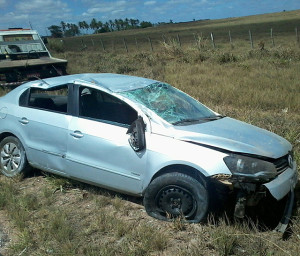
112	82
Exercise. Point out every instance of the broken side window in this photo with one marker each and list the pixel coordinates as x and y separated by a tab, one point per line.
96	104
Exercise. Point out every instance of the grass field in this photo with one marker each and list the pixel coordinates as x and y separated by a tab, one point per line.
47	215
283	25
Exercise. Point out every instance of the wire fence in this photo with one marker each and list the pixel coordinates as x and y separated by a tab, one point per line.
153	42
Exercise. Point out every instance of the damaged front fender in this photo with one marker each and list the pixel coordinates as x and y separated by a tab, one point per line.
250	191
283	183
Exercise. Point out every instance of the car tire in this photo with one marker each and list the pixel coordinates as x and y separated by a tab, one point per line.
12	157
175	195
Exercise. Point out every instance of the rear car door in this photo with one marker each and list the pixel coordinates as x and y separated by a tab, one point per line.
44	122
98	147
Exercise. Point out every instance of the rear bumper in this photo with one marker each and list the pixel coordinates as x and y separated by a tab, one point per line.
283	183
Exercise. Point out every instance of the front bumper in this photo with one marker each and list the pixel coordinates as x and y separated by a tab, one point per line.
283	183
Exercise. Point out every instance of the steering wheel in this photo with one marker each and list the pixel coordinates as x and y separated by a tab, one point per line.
32	52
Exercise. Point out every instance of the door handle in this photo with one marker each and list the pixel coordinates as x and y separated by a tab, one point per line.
23	120
77	134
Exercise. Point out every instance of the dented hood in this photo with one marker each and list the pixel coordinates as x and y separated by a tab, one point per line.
235	136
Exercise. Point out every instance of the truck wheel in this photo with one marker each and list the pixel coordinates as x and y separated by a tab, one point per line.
12	157
175	195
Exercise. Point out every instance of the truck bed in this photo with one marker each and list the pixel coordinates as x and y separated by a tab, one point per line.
8	64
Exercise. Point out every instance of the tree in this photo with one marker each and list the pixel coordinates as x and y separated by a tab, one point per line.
104	28
99	26
126	24
55	31
80	25
134	23
85	25
121	24
146	24
111	25
117	24
94	25
63	26
73	30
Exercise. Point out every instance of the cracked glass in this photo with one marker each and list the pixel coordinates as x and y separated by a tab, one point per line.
169	103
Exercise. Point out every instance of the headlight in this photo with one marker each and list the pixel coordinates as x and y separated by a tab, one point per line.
250	167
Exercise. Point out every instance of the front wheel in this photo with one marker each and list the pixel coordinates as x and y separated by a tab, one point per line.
12	157
175	195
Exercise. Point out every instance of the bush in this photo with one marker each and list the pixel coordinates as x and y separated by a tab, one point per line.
226	58
56	45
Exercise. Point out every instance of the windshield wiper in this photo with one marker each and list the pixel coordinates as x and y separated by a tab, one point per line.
210	118
192	120
188	120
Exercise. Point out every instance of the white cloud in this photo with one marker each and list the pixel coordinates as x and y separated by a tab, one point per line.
114	12
110	9
150	3
42	6
179	1
40	13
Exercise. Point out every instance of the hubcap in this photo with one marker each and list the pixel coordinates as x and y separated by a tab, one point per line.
10	157
176	201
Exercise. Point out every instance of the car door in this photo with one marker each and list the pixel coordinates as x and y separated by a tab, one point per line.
44	122
98	147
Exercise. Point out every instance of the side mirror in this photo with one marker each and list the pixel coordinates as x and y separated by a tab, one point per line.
137	134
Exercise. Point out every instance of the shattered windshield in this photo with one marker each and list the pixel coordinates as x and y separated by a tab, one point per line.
170	104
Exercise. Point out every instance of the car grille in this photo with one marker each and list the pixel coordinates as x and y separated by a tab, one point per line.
282	163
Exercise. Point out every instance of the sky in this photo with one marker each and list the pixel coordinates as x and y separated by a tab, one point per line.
44	13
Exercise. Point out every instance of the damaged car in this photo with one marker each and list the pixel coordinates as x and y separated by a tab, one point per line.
144	138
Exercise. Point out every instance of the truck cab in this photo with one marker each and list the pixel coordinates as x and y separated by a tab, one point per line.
25	57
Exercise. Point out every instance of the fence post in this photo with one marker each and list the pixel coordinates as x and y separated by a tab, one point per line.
92	42
102	44
83	45
178	39
272	38
212	40
196	40
164	38
230	39
63	44
113	45
136	43
251	40
125	45
150	42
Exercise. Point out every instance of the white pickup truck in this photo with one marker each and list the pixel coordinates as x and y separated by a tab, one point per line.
24	56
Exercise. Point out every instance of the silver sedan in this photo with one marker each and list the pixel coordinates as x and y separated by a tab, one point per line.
145	138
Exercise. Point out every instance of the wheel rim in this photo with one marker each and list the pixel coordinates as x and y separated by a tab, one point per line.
176	201
10	157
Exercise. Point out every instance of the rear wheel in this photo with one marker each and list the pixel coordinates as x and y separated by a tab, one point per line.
175	195
12	157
